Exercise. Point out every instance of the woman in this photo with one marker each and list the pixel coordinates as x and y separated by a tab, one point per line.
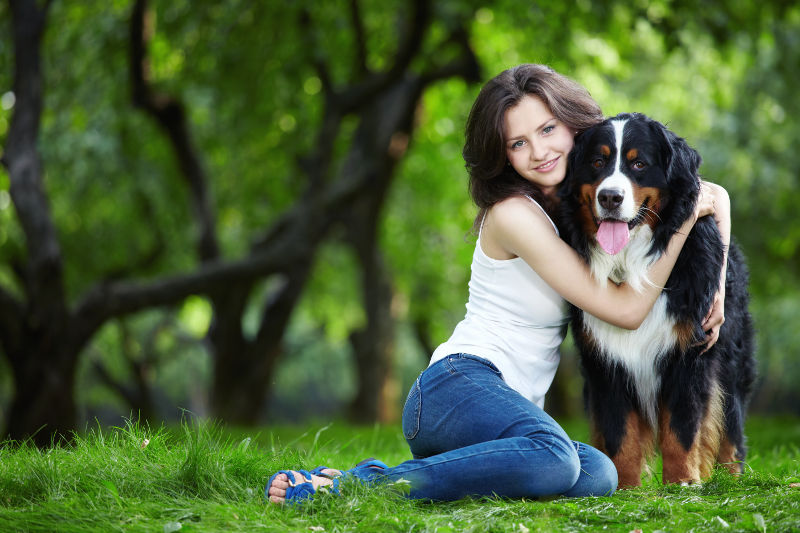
474	418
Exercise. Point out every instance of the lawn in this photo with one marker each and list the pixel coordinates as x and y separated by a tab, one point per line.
200	477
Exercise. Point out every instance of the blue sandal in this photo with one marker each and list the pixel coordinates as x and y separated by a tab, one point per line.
297	493
367	469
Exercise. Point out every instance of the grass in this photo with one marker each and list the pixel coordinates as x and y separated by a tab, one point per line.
200	477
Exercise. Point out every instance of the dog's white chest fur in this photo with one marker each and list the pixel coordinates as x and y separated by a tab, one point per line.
637	350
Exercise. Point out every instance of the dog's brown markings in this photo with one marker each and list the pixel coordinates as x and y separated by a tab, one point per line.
636	447
695	464
729	457
652	218
587	219
684	334
711	431
605	150
632	154
651	198
676	462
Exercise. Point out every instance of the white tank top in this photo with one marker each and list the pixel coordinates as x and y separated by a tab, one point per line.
514	319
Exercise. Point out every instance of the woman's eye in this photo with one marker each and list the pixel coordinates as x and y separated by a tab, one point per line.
548	129
599	163
638	165
518	144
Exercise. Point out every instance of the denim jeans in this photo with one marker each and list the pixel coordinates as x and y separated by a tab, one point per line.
472	435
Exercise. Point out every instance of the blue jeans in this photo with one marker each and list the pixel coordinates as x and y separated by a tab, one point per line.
472	435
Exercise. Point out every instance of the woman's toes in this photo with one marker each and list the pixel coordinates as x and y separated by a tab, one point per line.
277	489
279	486
281	481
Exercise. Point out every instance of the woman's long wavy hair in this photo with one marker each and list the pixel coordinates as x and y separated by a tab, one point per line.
491	178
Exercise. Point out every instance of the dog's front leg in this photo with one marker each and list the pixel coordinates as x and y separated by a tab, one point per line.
618	427
635	446
690	428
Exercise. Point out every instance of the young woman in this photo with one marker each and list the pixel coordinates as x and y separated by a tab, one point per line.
474	419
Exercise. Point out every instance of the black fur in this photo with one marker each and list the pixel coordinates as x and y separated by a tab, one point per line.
685	376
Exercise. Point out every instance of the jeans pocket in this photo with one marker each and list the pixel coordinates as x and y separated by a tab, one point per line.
411	411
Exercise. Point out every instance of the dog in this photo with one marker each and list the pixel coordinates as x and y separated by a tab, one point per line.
630	185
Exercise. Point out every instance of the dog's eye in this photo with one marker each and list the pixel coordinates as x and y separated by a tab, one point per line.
599	162
638	165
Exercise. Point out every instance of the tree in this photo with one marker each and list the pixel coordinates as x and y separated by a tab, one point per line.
43	335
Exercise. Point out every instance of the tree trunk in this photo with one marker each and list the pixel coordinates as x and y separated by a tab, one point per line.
244	367
373	346
381	140
35	339
43	406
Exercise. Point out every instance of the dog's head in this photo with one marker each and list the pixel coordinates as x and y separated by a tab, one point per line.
627	172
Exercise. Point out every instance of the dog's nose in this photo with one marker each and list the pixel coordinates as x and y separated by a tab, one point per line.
610	198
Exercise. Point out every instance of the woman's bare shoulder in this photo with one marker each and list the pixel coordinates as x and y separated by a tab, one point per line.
512	223
518	210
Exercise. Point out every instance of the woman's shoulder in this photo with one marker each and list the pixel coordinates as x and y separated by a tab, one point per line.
518	210
512	224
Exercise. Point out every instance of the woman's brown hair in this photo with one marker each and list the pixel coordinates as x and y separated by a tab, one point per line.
491	179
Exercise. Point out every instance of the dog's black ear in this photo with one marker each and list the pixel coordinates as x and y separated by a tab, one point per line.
682	161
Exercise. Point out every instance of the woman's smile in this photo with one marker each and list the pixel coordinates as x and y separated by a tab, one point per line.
548	166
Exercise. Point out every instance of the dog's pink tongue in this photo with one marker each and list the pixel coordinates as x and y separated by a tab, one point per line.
613	236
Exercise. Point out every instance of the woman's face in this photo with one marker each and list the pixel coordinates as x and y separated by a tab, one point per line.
537	143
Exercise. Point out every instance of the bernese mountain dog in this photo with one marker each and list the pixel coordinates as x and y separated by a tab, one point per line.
631	183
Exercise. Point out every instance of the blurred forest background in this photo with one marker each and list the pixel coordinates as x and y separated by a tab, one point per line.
258	211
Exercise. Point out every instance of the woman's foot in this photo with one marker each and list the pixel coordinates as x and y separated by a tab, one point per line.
281	483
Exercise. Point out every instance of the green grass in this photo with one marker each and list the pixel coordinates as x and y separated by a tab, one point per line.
200	477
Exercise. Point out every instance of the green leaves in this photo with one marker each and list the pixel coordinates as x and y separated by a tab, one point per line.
720	74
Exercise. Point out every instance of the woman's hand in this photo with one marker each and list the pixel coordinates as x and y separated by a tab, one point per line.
705	201
714	319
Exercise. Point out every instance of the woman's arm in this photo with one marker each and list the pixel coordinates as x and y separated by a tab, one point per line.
722	216
521	229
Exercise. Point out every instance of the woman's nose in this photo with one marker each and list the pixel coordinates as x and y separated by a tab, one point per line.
538	151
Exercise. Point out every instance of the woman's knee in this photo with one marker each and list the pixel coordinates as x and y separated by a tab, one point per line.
606	477
598	475
564	465
564	448
570	467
